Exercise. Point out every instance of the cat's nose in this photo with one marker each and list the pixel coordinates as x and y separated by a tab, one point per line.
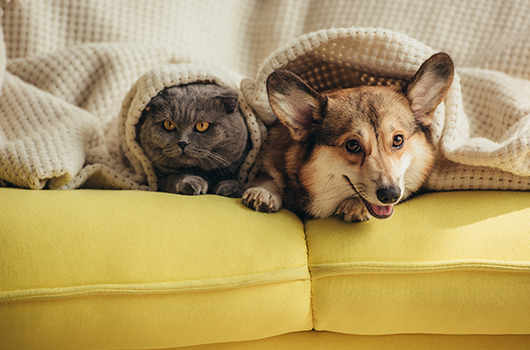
182	144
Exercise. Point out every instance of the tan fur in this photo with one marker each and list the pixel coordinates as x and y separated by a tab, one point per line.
340	153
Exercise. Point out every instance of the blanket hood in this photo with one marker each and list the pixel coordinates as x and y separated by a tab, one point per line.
156	80
348	57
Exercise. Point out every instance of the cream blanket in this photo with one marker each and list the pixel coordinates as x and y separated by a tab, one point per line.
76	74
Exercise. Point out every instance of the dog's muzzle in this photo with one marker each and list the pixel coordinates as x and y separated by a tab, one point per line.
386	195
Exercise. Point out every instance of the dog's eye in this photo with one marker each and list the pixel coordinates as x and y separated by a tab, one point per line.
398	141
353	146
169	125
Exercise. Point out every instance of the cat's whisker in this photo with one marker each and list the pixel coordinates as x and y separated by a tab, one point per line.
156	158
171	152
222	162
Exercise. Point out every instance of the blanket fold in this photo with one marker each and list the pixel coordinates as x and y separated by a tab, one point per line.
44	139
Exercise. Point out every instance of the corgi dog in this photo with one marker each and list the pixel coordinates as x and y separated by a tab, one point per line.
352	153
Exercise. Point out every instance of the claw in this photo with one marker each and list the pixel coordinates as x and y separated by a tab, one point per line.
260	199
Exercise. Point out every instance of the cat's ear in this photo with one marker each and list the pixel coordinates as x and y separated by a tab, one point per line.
295	103
428	87
229	101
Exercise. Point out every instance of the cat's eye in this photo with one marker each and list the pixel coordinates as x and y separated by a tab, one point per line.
353	146
202	126
169	125
398	141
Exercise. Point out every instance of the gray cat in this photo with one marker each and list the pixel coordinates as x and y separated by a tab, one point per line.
196	139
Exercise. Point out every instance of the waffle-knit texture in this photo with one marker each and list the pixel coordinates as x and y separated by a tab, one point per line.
66	68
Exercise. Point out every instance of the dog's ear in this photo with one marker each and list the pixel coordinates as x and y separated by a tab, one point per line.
428	87
295	103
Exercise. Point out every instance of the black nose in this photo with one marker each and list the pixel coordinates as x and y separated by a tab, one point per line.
388	195
182	144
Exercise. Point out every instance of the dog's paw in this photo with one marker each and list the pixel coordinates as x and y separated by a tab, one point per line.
261	199
229	188
352	209
192	185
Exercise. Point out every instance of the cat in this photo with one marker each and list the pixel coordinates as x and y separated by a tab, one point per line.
196	139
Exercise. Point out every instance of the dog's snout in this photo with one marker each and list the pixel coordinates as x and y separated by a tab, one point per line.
388	195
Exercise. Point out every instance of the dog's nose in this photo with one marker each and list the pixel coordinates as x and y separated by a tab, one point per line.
388	195
182	144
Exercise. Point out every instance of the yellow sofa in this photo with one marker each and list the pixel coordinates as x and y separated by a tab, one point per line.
96	269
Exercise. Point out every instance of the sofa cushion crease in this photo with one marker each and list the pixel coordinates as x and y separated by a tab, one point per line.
329	270
336	341
297	274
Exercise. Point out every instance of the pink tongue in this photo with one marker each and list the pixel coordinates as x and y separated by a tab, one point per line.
382	210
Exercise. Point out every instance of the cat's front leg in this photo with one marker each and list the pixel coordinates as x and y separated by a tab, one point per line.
352	209
183	184
263	196
228	188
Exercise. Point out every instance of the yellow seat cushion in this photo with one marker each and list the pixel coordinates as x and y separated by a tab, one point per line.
449	263
133	269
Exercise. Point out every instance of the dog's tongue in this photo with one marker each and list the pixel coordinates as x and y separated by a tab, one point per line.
382	211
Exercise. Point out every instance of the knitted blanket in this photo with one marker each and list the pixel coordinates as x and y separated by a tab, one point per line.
75	76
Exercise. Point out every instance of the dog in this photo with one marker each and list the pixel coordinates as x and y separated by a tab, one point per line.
352	153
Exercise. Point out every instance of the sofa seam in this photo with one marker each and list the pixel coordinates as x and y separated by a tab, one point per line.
412	268
311	295
143	288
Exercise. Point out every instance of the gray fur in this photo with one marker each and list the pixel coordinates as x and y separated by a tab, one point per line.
211	160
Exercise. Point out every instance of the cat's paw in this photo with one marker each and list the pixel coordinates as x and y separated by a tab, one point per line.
352	209
229	188
192	185
260	199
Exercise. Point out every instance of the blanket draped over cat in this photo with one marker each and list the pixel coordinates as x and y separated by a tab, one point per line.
76	75
153	82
